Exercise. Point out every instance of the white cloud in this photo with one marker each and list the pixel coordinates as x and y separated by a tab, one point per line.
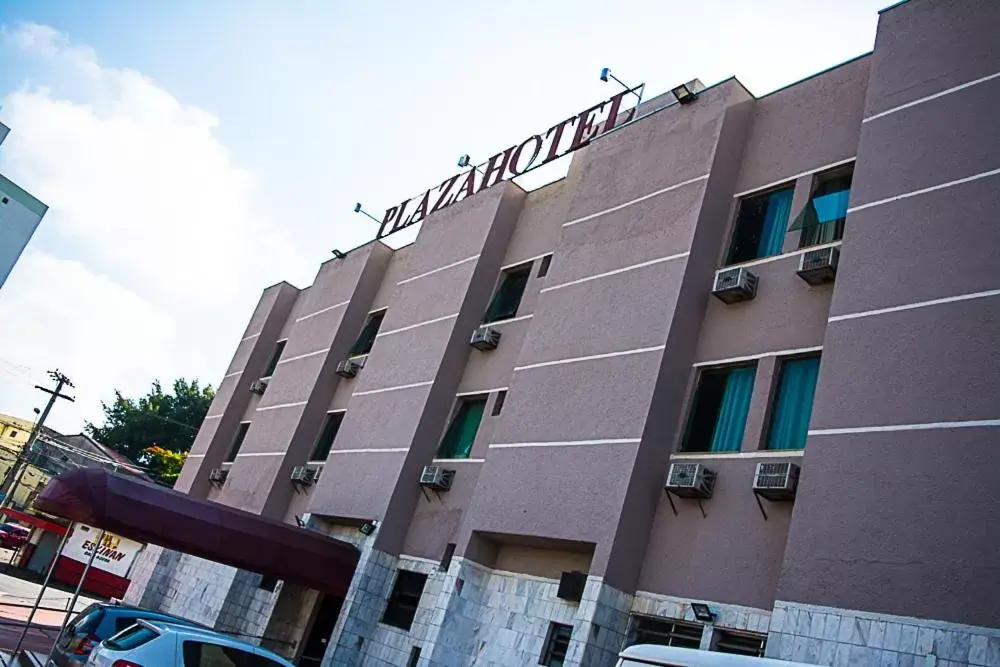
142	194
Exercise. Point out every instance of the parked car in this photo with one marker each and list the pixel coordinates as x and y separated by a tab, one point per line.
652	655
95	624
13	536
151	643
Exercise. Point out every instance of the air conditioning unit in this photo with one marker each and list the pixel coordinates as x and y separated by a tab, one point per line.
303	475
218	476
776	480
571	585
485	339
735	285
437	478
819	266
690	480
348	368
258	386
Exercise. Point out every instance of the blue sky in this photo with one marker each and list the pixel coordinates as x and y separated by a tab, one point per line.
194	152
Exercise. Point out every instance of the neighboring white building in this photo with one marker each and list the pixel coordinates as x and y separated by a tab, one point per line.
20	214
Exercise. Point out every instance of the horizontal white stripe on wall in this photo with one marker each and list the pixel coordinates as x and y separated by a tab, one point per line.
440	268
509	320
614	272
591	357
619	207
303	356
949	91
761	454
396	388
207	417
196	456
250	337
459	460
917	304
785	255
790	179
565	443
929	426
524	261
281	405
383	334
242	455
762	355
322	310
923	191
384	450
481	392
231	375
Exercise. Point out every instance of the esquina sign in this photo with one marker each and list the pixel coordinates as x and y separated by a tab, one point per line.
515	161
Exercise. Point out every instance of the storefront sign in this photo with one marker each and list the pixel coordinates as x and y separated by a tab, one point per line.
114	554
561	139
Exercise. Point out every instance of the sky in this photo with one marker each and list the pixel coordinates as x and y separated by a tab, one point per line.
193	153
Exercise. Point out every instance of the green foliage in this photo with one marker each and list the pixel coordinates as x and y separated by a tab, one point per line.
164	465
168	421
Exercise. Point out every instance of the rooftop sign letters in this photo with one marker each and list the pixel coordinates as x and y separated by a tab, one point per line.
537	150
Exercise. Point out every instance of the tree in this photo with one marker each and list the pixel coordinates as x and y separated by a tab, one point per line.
166	420
163	465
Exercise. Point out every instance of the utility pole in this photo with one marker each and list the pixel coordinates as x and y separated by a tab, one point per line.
21	464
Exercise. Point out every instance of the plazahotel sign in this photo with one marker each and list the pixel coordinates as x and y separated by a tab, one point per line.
539	149
115	554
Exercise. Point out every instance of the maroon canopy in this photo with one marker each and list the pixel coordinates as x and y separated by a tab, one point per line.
144	512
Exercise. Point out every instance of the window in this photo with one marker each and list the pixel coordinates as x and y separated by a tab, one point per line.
760	225
414	657
498	403
331	425
404	599
14	434
267	583
508	295
367	338
241	435
740	643
273	364
132	637
543	267
718	414
822	220
666	633
461	433
793	403
449	553
556	645
205	654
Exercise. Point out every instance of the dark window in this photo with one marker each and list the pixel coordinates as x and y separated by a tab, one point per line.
13	434
367	338
498	402
793	403
461	433
822	220
740	643
556	645
331	425
241	435
508	295
87	622
132	637
761	224
414	657
718	414
268	583
123	623
543	267
205	654
449	553
275	358
404	599
666	633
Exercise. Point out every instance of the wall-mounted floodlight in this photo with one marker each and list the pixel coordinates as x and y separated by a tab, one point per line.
685	93
339	255
702	612
606	75
368	527
358	209
465	161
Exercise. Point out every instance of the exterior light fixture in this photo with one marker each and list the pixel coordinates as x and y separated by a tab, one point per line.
339	255
466	161
684	94
358	209
368	527
606	75
702	612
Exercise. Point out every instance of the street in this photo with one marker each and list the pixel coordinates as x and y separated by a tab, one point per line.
16	598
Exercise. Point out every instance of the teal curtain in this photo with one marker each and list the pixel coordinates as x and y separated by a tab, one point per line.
793	406
508	296
732	420
772	236
461	433
831	207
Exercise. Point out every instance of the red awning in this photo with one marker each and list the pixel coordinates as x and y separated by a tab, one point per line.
145	512
36	521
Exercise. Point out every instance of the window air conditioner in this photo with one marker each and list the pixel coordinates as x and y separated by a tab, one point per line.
776	480
303	475
735	285
819	266
571	585
690	480
437	478
258	386
485	339
218	476
348	368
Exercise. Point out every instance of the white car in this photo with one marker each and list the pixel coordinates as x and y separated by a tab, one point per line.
160	644
651	655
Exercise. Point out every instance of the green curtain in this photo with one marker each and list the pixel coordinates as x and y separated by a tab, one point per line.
507	298
461	433
772	235
732	420
793	406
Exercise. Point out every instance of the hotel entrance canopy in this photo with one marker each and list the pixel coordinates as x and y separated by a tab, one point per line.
145	512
